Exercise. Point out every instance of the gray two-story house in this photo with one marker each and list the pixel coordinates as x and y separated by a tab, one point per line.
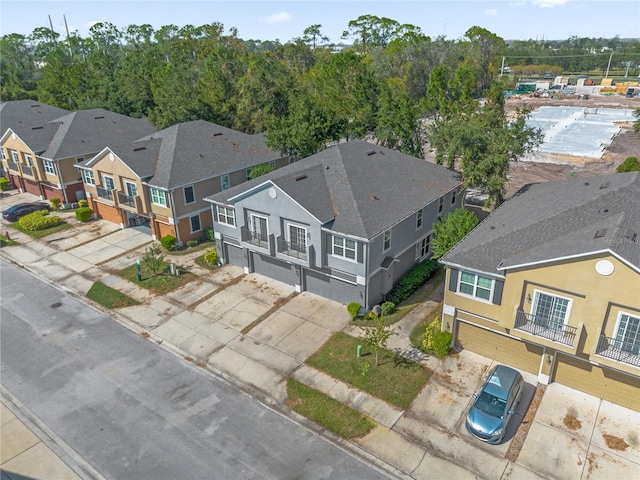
346	223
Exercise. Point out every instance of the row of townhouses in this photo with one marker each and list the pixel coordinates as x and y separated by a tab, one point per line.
549	282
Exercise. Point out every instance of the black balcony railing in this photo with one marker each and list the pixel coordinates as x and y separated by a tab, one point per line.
294	250
620	350
13	166
126	200
259	239
104	193
544	327
27	170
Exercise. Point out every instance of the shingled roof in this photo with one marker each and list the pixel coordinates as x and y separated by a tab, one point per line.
553	220
87	132
356	188
29	120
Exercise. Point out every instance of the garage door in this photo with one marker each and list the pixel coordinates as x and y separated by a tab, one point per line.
109	213
273	268
32	187
501	348
235	255
599	381
332	288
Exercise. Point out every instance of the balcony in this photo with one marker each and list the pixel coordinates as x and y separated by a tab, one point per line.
259	239
619	350
126	200
104	193
543	327
13	166
294	250
27	170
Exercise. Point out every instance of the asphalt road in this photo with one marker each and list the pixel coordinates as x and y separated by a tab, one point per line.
135	411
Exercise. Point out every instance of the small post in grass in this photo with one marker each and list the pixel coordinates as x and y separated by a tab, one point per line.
359	350
138	269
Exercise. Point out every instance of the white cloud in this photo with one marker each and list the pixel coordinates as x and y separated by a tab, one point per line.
278	18
549	3
491	12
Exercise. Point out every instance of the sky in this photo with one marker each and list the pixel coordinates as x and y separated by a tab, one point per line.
287	20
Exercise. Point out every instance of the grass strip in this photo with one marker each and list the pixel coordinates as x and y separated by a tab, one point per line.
158	284
396	380
109	297
42	233
327	412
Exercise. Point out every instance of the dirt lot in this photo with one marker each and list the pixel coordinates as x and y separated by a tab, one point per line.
625	144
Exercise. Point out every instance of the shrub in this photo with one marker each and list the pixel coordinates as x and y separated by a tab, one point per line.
39	221
4	184
211	256
388	308
192	243
354	308
631	164
83	203
56	202
412	281
168	242
84	214
208	234
154	259
435	340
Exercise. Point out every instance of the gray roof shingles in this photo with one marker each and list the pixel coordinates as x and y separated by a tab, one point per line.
365	189
29	120
557	219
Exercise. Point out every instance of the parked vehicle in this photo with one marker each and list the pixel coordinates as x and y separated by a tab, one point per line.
18	210
495	404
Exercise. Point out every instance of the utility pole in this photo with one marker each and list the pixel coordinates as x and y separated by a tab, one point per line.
67	28
608	65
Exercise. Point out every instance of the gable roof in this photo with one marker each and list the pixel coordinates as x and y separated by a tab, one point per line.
29	120
547	221
356	188
141	157
86	132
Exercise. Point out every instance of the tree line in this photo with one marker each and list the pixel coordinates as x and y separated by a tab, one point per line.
303	94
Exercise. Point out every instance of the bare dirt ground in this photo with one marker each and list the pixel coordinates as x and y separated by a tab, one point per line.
625	144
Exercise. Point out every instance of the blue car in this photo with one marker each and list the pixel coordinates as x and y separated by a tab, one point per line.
495	404
13	213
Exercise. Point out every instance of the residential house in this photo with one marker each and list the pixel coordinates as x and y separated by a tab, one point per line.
41	156
346	223
550	283
163	178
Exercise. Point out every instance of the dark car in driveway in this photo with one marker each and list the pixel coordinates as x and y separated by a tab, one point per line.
495	404
18	210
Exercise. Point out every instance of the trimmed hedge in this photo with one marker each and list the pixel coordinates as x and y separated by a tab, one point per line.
387	308
354	308
84	214
168	242
209	234
412	281
436	340
83	203
211	256
40	220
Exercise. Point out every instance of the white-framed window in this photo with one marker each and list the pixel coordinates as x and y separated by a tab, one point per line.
88	178
79	159
440	204
131	187
386	242
475	286
195	223
423	247
225	183
297	238
226	215
109	184
419	218
550	311
189	194
29	159
15	156
48	167
627	336
344	247
259	227
158	197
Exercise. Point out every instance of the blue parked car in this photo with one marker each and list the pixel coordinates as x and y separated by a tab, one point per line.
495	404
13	213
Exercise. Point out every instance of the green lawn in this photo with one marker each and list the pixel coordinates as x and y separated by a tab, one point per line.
158	284
42	233
204	264
326	411
396	379
109	297
7	243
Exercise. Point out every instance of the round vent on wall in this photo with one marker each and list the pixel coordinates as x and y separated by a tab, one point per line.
111	157
604	267
272	192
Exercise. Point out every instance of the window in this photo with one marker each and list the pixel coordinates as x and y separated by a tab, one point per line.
224	182
15	156
189	195
387	241
475	285
87	177
422	247
79	159
344	247
132	189
259	227
29	160
628	334
227	215
109	184
453	197
195	223
419	218
4	155
550	311
48	167
440	204
158	197
298	238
